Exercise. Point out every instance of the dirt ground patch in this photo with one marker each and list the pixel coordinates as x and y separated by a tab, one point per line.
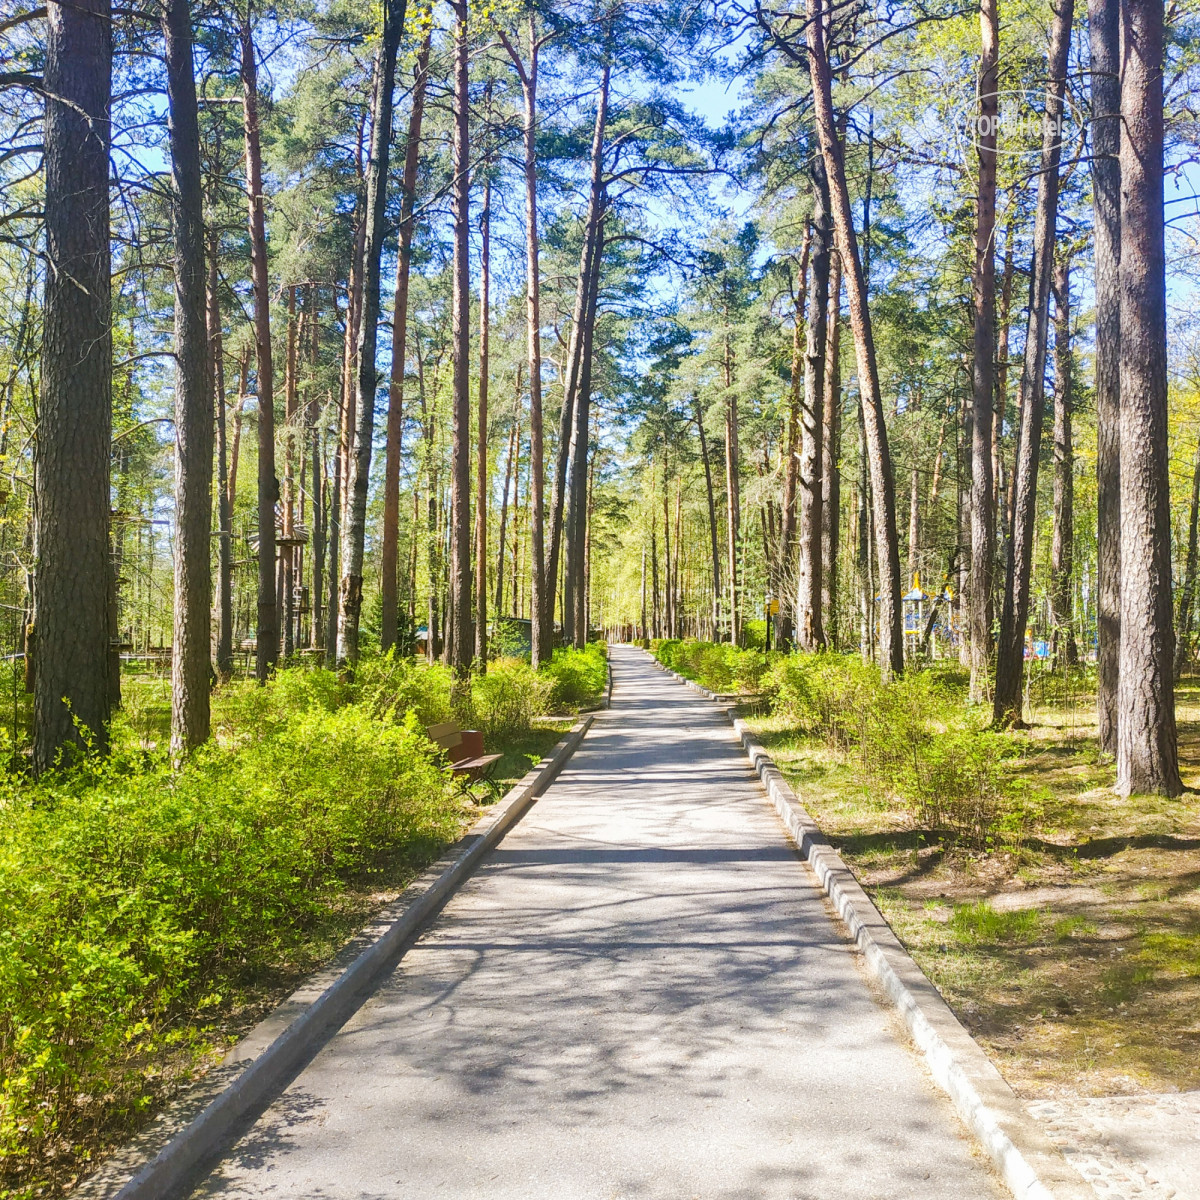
1073	954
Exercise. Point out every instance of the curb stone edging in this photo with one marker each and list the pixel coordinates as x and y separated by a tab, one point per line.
1028	1161
168	1158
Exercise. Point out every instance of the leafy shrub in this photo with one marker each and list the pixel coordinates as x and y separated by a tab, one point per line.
580	677
394	684
829	696
718	666
133	898
912	739
504	702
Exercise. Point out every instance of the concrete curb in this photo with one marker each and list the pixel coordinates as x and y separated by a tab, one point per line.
1031	1165
168	1158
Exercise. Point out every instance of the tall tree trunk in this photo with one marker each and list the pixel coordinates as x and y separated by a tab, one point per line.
732	506
366	372
983	371
461	641
333	554
481	443
193	396
1147	758
390	542
576	523
71	625
514	445
541	609
1185	619
1010	652
1063	537
224	496
914	522
579	334
714	536
831	439
809	631
783	588
1000	491
239	407
1104	37
316	456
287	557
883	490
346	421
267	634
644	632
866	591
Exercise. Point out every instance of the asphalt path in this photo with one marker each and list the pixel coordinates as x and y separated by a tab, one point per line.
640	994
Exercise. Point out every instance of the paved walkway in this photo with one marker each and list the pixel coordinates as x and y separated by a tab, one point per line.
639	995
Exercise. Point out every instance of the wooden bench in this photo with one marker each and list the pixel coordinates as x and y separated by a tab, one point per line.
464	748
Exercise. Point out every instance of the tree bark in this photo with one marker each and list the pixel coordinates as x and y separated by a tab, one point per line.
366	373
810	632
575	351
71	629
1000	491
983	373
1147	759
1185	618
390	542
1010	652
267	633
287	556
732	506
914	522
1104	36
831	440
787	540
1063	535
541	611
238	411
461	642
514	443
481	442
224	657
883	491
714	536
576	524
192	640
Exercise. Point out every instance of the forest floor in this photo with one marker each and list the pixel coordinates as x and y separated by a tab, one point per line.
1072	954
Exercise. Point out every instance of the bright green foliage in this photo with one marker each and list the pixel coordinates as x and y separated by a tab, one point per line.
133	898
580	676
718	666
912	737
504	702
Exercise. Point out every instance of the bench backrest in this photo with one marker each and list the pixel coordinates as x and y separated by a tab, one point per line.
449	736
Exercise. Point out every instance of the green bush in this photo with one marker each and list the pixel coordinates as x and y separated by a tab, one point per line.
504	702
913	741
717	666
133	899
394	684
580	677
829	696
